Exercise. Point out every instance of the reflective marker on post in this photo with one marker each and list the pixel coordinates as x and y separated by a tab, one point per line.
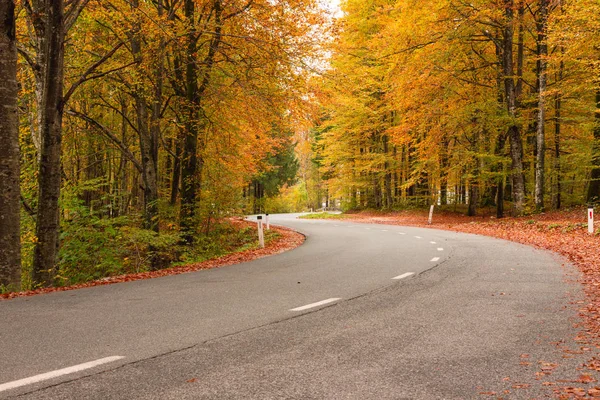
261	235
268	226
430	214
591	220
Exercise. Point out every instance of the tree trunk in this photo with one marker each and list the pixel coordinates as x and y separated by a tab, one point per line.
176	171
388	174
593	194
10	239
444	172
500	179
556	195
49	178
513	132
148	137
542	26
189	153
192	164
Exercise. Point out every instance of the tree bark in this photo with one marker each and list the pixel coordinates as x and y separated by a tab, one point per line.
389	202
49	178
189	153
542	27
148	136
10	239
556	195
593	194
513	132
192	163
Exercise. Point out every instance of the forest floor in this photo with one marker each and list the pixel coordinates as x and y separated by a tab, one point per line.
277	241
563	232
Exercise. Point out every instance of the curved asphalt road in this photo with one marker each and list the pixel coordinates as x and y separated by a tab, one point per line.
467	315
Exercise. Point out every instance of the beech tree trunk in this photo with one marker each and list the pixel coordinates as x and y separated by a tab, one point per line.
593	194
148	136
192	162
513	132
556	195
389	202
542	26
190	142
49	178
10	239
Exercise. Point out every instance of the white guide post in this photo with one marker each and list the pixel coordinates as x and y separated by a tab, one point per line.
261	234
267	220
430	214
591	220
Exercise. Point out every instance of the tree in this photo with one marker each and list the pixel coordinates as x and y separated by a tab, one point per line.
542	28
10	247
49	23
282	170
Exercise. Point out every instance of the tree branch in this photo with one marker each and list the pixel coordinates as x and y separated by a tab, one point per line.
85	76
73	13
104	130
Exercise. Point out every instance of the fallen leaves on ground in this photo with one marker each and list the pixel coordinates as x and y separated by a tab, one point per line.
287	240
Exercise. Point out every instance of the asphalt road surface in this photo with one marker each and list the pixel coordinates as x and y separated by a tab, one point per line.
360	311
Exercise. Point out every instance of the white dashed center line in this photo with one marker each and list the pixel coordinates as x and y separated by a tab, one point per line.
440	249
432	242
406	275
57	373
418	237
317	304
401	233
434	259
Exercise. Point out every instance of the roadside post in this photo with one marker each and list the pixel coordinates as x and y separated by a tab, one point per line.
430	215
591	220
261	234
267	220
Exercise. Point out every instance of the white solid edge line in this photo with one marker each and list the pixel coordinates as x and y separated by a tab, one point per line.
57	373
434	259
317	304
406	275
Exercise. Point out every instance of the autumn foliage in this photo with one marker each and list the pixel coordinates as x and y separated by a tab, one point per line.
479	103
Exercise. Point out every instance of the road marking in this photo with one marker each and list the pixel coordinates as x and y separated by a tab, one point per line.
57	373
434	259
368	229
432	242
406	275
317	304
384	230
440	249
401	233
418	237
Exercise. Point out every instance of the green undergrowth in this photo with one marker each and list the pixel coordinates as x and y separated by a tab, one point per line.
324	215
93	248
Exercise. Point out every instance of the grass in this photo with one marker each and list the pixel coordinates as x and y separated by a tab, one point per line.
324	215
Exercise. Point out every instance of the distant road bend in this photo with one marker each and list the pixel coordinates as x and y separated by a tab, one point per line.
360	311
